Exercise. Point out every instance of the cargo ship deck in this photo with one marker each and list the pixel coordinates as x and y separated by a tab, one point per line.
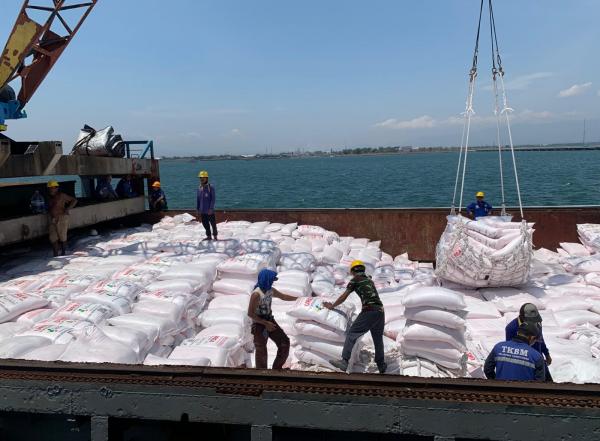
114	402
106	402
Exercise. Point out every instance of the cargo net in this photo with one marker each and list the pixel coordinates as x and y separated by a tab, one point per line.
486	252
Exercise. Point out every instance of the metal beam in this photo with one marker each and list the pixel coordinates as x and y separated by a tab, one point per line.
289	410
4	151
35	226
38	40
261	433
282	401
48	160
99	428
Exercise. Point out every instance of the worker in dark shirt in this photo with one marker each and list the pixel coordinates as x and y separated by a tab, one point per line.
529	312
157	200
479	208
516	359
371	318
105	190
124	189
205	204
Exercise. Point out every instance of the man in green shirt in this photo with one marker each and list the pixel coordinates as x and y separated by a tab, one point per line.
371	318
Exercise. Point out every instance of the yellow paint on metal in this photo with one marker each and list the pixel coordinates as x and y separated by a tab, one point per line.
25	32
3	127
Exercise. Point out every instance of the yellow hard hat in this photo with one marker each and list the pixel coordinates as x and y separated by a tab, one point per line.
52	184
203	174
156	184
356	263
480	194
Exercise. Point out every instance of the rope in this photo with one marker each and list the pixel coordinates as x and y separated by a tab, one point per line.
497	113
464	143
497	71
469	112
505	110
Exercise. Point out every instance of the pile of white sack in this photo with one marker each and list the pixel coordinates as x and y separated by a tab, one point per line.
161	295
484	252
435	328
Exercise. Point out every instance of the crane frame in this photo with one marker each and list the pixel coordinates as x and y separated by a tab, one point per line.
33	48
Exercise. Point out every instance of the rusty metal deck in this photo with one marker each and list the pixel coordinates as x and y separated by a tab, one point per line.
276	403
412	230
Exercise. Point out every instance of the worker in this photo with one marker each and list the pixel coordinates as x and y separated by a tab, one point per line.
516	359
59	205
264	325
530	313
480	207
205	202
37	203
371	318
124	189
157	198
105	190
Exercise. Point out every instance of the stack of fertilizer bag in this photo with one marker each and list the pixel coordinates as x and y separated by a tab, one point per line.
433	339
161	294
119	298
484	252
565	287
226	321
570	280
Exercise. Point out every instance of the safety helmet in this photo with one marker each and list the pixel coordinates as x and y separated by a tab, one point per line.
480	194
156	184
356	263
203	174
52	184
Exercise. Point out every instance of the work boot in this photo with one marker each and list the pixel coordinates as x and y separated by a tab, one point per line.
55	249
206	238
382	367
342	364
62	248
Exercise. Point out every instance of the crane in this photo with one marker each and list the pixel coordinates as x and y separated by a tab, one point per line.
32	49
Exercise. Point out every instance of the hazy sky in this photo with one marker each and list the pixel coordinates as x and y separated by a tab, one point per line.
240	76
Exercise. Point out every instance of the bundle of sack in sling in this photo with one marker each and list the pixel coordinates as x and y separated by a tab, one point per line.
485	252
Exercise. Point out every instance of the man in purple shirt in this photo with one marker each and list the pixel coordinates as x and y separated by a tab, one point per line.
205	204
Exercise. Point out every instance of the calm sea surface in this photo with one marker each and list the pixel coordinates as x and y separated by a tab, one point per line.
409	180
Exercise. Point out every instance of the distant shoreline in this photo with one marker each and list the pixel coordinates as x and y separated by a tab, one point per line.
426	150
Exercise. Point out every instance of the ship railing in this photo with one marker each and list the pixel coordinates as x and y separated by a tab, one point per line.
147	147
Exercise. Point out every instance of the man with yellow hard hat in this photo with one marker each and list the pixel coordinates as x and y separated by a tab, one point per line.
371	318
157	198
59	205
205	204
479	208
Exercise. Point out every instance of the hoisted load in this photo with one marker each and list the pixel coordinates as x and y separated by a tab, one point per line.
485	252
489	251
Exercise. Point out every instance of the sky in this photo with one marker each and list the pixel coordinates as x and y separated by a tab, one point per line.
237	76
